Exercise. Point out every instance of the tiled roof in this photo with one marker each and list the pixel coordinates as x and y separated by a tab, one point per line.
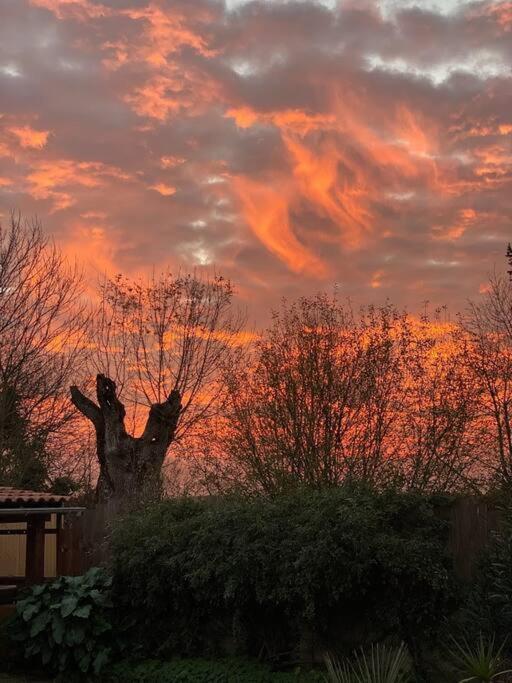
17	497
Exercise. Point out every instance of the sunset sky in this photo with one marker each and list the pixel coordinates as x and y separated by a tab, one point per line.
290	145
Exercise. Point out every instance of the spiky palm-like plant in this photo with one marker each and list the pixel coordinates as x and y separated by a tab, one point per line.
379	664
481	662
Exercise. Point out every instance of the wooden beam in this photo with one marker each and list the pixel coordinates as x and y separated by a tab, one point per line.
8	580
23	532
34	566
16	519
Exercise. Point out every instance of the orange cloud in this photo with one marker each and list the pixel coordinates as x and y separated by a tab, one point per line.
30	138
163	189
418	134
167	94
335	182
320	180
502	12
376	281
295	120
292	139
56	180
165	32
169	87
171	161
75	9
267	213
465	219
97	244
331	156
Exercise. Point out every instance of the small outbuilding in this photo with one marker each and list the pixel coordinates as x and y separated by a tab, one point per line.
26	514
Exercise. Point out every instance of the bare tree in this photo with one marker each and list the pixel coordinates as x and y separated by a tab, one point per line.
315	406
332	396
42	323
488	324
160	345
438	427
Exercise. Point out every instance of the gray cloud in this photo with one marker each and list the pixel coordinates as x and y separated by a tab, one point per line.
291	144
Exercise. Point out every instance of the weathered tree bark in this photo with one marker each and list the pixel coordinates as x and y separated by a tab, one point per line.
130	467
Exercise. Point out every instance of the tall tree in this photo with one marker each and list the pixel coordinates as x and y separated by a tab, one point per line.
488	324
438	428
315	406
332	396
159	344
23	457
42	323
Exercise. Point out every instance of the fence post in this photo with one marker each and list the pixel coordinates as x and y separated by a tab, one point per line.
70	546
34	566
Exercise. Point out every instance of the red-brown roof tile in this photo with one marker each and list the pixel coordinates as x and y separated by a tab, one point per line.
19	497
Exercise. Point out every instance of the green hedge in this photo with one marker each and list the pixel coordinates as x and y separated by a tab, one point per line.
282	578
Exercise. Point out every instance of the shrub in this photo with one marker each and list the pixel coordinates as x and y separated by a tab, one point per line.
290	576
203	671
65	625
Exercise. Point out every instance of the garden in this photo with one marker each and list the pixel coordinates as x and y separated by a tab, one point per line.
345	585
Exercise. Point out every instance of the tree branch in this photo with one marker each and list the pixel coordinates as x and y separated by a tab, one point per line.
87	407
107	397
163	419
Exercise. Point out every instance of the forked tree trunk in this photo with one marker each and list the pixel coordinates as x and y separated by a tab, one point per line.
130	467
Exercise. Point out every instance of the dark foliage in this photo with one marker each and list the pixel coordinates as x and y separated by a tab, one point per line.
232	670
23	458
66	625
489	605
282	578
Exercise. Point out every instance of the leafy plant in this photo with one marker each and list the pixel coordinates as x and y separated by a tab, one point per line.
481	662
258	576
380	664
65	625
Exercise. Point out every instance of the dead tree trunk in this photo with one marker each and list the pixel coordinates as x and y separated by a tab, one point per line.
130	467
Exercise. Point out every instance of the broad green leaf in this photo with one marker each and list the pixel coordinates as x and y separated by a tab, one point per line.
101	660
58	628
75	635
68	605
29	612
38	590
39	623
83	612
84	662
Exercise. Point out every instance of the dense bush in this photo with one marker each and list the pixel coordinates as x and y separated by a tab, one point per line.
66	625
289	576
204	671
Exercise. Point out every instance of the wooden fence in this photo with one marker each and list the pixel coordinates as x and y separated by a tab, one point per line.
472	522
83	540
